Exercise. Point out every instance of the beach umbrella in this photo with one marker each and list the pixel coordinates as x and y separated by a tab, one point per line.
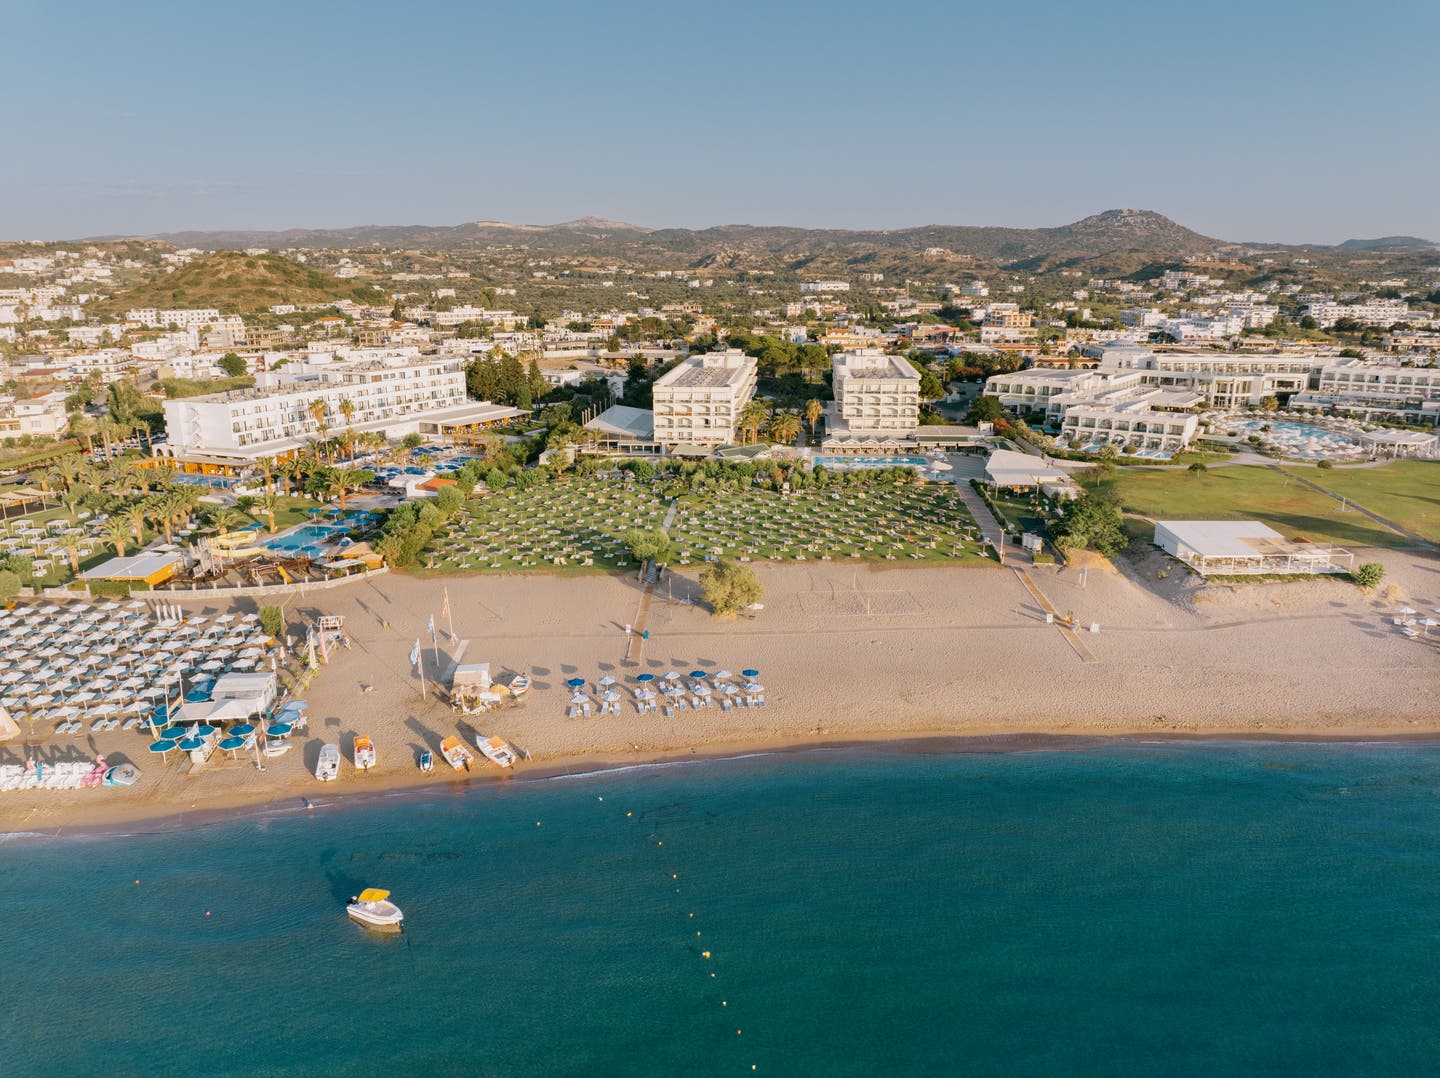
703	690
1406	610
163	747
230	744
723	674
278	729
190	744
579	698
245	729
203	731
606	681
698	674
672	690
670	675
750	673
611	697
644	677
575	682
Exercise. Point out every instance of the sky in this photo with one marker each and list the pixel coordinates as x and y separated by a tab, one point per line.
1258	121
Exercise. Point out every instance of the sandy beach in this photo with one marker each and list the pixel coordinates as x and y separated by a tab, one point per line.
847	651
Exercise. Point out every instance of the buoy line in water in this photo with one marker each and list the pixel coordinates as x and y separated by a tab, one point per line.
705	955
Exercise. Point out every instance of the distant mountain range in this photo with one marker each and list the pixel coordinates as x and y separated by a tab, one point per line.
1119	237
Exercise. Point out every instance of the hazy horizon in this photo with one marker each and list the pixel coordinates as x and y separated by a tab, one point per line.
1244	123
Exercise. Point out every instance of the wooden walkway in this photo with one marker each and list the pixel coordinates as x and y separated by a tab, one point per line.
1071	636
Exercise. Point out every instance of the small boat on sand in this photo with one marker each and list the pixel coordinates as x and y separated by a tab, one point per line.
277	746
327	768
497	750
519	685
372	908
121	775
456	754
427	761
365	755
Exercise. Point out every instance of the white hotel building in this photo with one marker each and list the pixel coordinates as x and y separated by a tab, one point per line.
396	392
698	402
877	396
1375	392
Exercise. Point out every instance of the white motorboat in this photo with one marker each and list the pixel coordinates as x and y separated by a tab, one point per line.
519	685
372	908
277	747
327	768
364	752
497	750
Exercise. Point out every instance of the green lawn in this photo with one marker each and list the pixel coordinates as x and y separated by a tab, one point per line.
1252	492
1407	492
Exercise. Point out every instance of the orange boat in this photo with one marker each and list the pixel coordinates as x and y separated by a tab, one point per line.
456	754
364	753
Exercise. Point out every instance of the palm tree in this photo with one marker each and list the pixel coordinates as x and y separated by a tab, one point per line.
225	519
813	411
135	516
752	417
267	469
117	534
269	503
785	428
347	409
291	470
187	501
317	411
71	542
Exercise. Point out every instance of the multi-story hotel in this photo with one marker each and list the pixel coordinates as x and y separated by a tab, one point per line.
875	393
1399	394
699	401
396	392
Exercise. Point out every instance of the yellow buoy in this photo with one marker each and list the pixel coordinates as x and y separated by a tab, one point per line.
705	954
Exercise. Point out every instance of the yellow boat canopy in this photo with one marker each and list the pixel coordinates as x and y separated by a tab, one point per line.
373	894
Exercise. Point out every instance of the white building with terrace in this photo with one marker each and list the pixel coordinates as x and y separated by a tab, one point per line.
699	402
875	394
396	393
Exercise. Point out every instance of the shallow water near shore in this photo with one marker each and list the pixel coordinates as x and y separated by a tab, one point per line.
1122	909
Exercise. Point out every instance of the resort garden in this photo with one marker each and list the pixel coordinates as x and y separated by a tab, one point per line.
760	511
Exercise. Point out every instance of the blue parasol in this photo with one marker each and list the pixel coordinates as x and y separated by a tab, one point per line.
644	677
231	743
575	682
162	746
697	674
749	673
190	744
203	731
245	729
279	729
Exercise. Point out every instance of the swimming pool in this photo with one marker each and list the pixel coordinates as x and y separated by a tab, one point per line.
306	538
1305	440
870	462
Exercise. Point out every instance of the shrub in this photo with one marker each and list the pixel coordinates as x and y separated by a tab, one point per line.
729	587
9	585
1326	464
1368	575
272	621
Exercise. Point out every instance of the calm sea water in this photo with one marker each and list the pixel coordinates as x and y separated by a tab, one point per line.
1131	910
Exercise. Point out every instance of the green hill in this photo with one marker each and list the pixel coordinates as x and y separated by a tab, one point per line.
237	283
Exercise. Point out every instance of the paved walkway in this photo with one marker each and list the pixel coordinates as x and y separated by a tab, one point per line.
989	526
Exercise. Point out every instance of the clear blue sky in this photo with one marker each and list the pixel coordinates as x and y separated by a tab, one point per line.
1248	121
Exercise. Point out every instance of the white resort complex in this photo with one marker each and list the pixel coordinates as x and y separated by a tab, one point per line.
396	392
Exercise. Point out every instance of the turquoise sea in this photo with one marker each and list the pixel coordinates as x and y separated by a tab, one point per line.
1129	909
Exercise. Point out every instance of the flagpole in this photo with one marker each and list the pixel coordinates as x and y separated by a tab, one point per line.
449	615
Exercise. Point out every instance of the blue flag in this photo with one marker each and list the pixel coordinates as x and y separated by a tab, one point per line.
415	653
432	631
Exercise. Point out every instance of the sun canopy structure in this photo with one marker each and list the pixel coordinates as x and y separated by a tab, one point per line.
1246	547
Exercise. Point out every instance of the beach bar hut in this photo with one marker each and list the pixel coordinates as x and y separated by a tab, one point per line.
256	691
141	571
1245	547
